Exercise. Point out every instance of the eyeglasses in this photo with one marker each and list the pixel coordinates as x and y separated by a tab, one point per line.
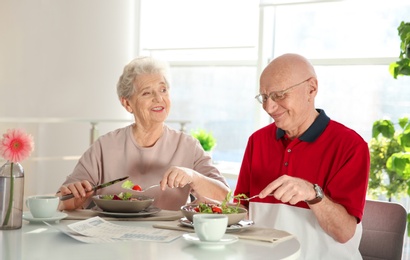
277	95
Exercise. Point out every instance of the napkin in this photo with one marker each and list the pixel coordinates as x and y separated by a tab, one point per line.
252	233
165	215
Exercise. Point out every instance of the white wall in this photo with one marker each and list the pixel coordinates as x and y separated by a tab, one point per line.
62	58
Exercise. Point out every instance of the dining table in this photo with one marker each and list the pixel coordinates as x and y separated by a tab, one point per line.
37	240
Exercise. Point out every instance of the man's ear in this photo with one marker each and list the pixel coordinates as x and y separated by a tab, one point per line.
313	86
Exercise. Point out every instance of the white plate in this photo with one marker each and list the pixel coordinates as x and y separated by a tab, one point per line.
225	240
147	212
58	216
232	228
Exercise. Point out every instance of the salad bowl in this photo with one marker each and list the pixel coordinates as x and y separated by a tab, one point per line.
131	204
234	213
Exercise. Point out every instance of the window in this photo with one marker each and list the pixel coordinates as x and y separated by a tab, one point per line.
351	44
212	49
217	49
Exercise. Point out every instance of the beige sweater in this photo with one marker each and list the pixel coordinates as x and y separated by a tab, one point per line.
116	154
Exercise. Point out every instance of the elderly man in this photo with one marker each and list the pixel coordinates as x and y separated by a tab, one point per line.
316	168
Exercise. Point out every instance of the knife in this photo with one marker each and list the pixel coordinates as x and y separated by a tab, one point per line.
69	196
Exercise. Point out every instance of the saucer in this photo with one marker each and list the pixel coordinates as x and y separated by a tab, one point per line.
225	240
58	216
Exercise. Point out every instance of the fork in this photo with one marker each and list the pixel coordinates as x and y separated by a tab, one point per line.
150	187
250	198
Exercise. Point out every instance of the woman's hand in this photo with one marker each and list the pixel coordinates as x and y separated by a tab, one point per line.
81	191
177	177
204	187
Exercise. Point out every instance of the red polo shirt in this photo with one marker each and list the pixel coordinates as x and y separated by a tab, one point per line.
328	154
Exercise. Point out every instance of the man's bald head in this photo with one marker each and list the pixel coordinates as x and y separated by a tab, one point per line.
289	67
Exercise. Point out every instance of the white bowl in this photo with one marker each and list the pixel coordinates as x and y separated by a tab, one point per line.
139	203
234	218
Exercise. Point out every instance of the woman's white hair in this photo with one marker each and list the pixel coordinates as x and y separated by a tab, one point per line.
140	66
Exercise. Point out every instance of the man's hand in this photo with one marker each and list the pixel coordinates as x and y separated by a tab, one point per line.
289	189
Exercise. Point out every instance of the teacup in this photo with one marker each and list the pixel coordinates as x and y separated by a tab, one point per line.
210	227
42	206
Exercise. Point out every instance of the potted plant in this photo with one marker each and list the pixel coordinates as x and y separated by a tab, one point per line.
402	66
390	159
390	145
206	139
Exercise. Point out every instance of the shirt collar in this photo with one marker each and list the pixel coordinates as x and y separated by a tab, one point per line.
314	131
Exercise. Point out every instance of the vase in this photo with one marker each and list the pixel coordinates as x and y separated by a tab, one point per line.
11	195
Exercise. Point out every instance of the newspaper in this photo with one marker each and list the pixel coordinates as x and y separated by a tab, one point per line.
98	230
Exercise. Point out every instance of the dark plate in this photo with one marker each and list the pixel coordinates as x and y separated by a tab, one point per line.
146	212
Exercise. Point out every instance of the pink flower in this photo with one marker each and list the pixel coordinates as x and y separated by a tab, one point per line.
16	145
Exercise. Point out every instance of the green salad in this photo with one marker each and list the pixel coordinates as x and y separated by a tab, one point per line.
121	196
223	208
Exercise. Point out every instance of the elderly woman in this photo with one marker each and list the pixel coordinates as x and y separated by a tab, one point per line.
148	151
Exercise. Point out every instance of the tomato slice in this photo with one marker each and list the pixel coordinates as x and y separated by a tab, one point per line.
137	187
116	198
216	209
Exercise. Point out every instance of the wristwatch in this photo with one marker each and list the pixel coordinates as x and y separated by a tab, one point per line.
319	195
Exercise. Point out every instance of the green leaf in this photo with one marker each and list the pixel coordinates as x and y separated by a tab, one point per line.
125	195
107	197
127	184
408	226
384	127
408	51
404	122
400	163
404	33
393	69
402	66
404	140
